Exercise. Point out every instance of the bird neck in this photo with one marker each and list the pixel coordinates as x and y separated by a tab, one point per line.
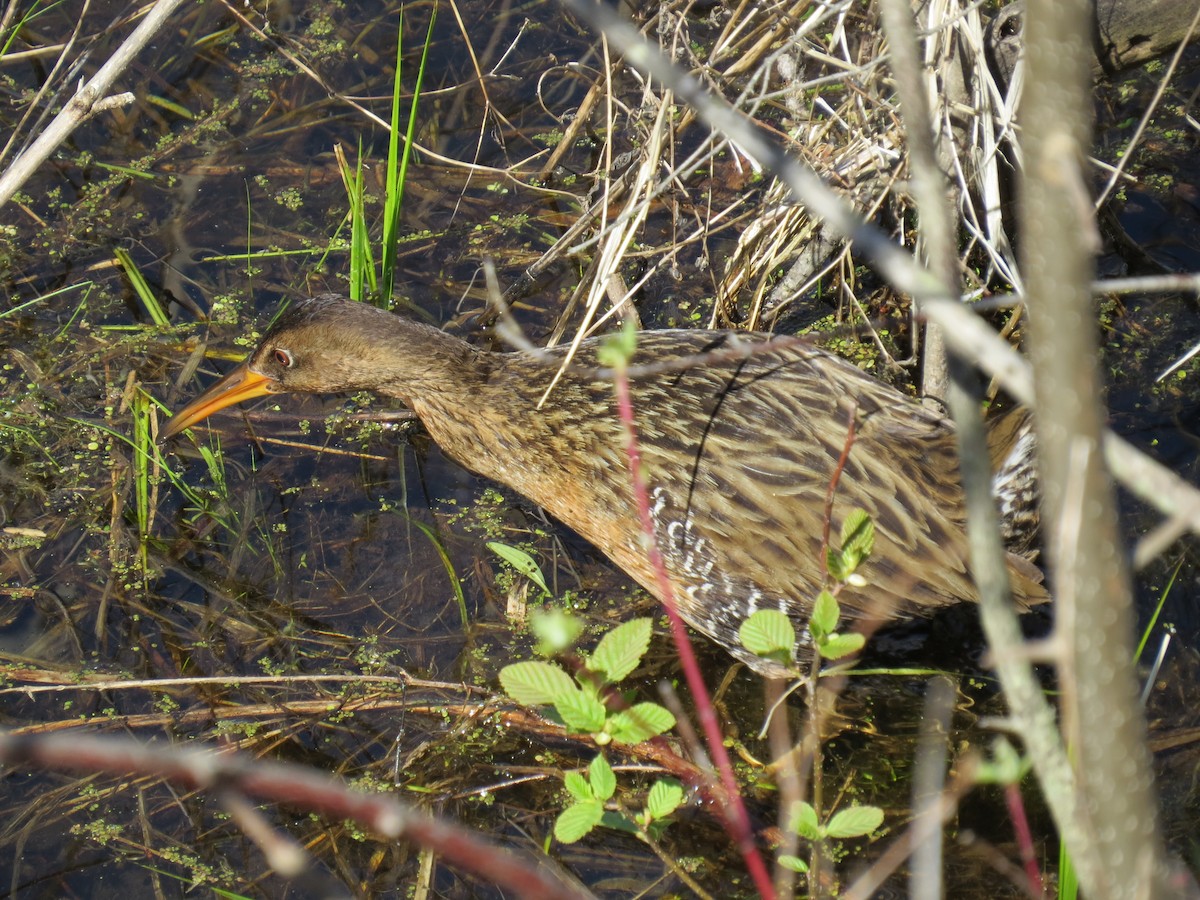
413	361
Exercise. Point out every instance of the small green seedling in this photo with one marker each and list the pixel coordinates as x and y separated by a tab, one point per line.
852	822
578	701
858	539
770	634
590	793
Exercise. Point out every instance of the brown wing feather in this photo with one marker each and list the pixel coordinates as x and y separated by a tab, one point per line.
900	469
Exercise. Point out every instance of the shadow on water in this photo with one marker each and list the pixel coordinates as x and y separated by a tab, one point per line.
324	544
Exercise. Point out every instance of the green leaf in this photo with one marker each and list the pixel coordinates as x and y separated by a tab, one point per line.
1006	765
615	820
640	723
804	821
604	782
795	863
581	712
621	650
664	798
838	645
835	564
858	538
854	822
769	633
577	820
858	534
577	786
824	618
555	630
536	683
521	561
849	565
616	350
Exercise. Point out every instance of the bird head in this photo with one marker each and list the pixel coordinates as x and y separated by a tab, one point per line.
323	345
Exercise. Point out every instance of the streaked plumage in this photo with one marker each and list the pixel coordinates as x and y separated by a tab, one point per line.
739	450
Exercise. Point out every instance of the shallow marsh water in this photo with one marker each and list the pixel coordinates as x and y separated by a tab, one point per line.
322	546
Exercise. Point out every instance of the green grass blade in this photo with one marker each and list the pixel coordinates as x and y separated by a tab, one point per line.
142	288
42	298
143	465
1068	883
449	567
398	157
362	266
1162	599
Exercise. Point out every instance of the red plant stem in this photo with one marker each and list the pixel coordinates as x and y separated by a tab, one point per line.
851	433
737	820
1016	810
294	786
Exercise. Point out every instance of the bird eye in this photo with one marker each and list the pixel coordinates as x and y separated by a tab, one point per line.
284	358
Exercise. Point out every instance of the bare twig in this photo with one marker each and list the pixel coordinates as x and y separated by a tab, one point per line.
937	230
85	101
296	786
922	829
929	782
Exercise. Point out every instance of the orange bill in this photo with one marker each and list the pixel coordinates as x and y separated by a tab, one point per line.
240	384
